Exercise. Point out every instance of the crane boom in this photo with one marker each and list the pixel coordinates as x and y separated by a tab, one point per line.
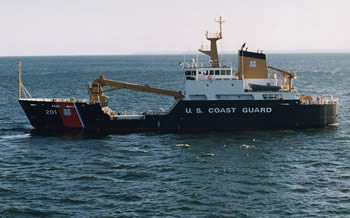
292	75
141	88
97	93
285	74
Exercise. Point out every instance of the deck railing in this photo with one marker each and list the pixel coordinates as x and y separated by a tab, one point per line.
203	65
56	100
321	100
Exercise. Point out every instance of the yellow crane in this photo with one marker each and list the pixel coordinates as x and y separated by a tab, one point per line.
285	74
97	93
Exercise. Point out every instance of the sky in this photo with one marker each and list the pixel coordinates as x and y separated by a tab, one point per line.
117	27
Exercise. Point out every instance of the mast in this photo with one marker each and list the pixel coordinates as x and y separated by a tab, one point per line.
220	21
20	84
213	52
19	78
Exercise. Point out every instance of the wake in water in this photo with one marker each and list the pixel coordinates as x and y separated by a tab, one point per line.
183	145
13	131
15	136
248	146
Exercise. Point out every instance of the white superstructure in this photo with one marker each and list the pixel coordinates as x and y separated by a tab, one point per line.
251	81
222	84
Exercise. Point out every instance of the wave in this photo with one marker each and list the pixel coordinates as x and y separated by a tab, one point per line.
207	155
85	177
18	136
4	189
132	175
182	145
73	201
6	131
30	212
134	150
248	146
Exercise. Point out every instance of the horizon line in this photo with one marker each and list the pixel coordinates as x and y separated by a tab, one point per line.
194	52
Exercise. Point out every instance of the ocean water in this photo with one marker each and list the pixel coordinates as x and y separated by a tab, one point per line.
278	173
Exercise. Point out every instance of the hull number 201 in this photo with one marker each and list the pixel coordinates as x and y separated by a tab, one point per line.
51	112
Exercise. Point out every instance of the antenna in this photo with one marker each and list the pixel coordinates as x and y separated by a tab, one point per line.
19	78
222	53
220	21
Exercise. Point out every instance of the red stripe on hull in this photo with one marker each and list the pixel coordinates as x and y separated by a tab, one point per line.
69	115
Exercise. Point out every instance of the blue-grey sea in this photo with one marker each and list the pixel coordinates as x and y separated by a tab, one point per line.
279	173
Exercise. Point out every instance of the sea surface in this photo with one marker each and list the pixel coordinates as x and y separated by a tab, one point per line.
279	173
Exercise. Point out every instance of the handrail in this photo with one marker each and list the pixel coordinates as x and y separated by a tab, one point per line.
56	100
319	100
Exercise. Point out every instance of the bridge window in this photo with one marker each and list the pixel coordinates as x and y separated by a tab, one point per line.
205	72
222	72
188	73
217	72
228	72
193	73
212	72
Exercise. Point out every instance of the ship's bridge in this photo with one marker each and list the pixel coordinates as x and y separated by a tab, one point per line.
209	73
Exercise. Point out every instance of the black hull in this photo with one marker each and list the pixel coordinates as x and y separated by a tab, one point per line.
185	116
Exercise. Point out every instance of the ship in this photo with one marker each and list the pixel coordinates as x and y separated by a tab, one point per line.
215	97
